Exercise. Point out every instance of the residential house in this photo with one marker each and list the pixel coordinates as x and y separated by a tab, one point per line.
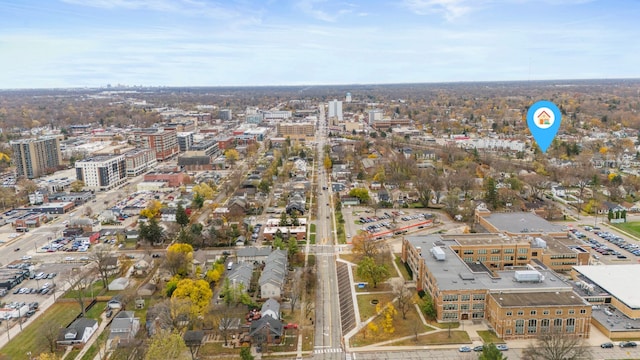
266	330
78	332
147	289
237	207
142	266
241	274
120	283
273	275
271	307
253	254
124	328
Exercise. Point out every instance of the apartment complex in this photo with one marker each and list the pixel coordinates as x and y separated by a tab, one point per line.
464	290
36	157
102	173
163	142
301	131
139	161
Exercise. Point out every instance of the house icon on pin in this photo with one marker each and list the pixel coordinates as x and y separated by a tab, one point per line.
543	118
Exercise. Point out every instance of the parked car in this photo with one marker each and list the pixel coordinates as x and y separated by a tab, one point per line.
478	348
606	345
464	349
625	344
502	347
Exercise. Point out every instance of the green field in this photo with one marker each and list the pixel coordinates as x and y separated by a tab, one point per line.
632	228
31	338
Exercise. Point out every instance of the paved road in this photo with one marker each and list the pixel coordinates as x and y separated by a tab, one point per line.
328	336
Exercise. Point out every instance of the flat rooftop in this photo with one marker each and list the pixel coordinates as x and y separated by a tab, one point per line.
616	280
454	274
550	298
522	222
482	239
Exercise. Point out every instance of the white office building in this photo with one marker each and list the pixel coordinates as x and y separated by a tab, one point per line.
375	115
347	98
335	109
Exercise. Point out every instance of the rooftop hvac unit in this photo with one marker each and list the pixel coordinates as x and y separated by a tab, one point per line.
438	253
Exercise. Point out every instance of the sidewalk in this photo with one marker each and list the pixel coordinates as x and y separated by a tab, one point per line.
103	324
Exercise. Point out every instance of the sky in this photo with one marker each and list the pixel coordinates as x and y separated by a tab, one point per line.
92	43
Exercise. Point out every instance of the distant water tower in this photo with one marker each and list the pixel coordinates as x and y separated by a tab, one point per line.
348	97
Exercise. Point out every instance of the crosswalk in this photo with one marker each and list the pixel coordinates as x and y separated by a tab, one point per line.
327	351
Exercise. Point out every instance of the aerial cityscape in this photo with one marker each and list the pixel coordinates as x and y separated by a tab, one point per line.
308	179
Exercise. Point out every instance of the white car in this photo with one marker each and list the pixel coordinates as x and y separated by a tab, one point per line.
26	257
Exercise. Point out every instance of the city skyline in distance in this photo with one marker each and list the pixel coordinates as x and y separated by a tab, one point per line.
92	43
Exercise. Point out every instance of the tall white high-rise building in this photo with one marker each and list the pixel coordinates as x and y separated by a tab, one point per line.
375	115
335	109
347	98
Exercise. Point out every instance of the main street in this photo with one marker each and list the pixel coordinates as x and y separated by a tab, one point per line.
328	335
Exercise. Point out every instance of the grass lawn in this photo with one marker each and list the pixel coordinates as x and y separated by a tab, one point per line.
402	267
72	354
386	261
93	350
438	338
312	227
96	310
95	289
384	287
216	349
632	228
312	239
367	309
444	325
489	337
31	337
411	326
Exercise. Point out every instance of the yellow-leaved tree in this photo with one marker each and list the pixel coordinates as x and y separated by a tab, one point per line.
204	191
214	274
179	258
197	291
152	210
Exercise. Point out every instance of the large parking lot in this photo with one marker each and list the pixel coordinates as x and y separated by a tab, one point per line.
386	222
607	245
44	280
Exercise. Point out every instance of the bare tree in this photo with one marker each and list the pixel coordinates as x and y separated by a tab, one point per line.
105	261
557	346
223	322
403	297
295	294
78	287
49	332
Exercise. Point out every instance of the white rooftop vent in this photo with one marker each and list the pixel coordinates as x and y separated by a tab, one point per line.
438	253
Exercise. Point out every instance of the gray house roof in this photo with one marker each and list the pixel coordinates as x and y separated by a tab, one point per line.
252	253
275	269
271	306
123	324
77	329
242	274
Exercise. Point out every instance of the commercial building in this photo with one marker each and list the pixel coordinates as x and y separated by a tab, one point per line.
518	301
335	109
139	161
172	177
102	173
163	142
375	115
301	131
185	140
225	114
36	157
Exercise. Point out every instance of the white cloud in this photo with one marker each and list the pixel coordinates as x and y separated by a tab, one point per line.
310	7
451	9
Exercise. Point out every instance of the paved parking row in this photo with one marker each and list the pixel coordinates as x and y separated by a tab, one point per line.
347	315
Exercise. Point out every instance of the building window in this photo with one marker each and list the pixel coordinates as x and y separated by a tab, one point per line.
450	316
572	311
523	250
558	312
533	312
478	297
495	258
482	251
508	332
464	307
520	313
478	315
544	325
545	312
509	251
508	258
468	252
482	258
520	326
468	259
450	306
571	325
495	251
557	324
465	297
509	313
532	327
450	298
583	311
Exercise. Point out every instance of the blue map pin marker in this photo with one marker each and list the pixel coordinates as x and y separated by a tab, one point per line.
544	119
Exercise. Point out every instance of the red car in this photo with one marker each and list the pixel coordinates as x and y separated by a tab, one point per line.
291	326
